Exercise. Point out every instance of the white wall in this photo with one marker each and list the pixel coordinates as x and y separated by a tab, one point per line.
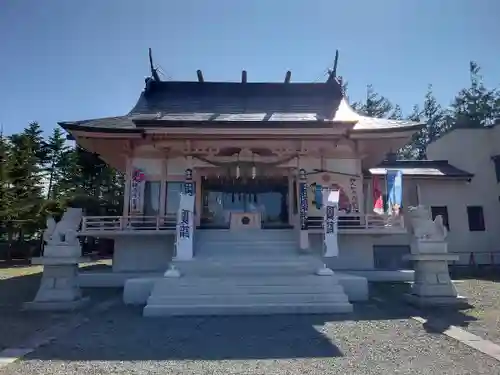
151	167
470	150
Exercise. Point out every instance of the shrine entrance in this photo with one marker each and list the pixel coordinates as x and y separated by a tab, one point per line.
263	198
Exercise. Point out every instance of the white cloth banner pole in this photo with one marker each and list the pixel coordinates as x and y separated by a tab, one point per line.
184	244
330	225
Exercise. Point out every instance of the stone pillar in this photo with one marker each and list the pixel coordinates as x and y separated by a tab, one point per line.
59	288
303	210
432	285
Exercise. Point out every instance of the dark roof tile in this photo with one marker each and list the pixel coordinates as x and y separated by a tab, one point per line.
421	168
164	103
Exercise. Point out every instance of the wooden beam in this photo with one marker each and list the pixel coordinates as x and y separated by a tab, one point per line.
288	77
199	73
244	76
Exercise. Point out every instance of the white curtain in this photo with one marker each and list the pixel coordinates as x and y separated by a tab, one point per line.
152	198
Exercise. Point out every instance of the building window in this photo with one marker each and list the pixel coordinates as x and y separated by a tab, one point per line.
443	211
496	160
173	198
476	218
152	198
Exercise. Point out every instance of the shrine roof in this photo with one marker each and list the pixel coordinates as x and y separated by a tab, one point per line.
215	104
421	168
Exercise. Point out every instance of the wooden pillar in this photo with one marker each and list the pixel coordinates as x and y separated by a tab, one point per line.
126	192
198	197
290	198
163	186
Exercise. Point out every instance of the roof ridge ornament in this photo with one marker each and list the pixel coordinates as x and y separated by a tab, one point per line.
154	71
332	73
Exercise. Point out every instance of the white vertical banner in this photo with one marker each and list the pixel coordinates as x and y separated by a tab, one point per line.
184	244
330	225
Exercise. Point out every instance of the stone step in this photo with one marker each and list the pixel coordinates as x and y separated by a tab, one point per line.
235	285
246	309
245	235
234	265
222	251
225	290
248	242
231	295
244	298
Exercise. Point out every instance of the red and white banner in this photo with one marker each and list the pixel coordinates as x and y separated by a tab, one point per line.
378	200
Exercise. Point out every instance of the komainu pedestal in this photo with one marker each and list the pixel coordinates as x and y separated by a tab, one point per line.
429	252
59	288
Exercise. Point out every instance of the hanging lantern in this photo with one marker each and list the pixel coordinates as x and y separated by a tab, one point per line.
254	170
238	166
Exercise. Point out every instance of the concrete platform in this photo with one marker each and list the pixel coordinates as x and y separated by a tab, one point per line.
137	290
109	279
384	276
57	306
459	302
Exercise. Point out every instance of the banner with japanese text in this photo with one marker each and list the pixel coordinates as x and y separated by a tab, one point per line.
331	203
184	248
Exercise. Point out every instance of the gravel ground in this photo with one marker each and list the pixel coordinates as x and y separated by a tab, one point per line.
484	295
483	319
19	284
370	341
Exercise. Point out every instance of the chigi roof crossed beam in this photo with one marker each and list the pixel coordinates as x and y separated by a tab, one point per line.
240	104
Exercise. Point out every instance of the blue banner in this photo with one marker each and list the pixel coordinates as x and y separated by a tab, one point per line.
318	196
394	190
303	205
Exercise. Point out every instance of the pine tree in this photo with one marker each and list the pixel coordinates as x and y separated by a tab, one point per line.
410	150
56	151
476	106
435	119
396	113
36	141
375	105
25	182
5	196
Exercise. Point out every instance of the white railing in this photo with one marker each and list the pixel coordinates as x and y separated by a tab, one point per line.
355	221
128	223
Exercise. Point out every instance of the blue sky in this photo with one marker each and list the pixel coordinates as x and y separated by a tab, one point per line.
73	60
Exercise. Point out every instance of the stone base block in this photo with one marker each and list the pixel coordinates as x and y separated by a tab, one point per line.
434	289
57	306
59	289
62	251
458	302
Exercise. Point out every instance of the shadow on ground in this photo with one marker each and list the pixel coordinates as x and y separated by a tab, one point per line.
19	283
122	334
439	319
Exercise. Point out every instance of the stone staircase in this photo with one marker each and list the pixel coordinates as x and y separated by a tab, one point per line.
247	272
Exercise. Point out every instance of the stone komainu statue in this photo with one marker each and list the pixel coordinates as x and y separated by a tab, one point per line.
65	231
424	228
